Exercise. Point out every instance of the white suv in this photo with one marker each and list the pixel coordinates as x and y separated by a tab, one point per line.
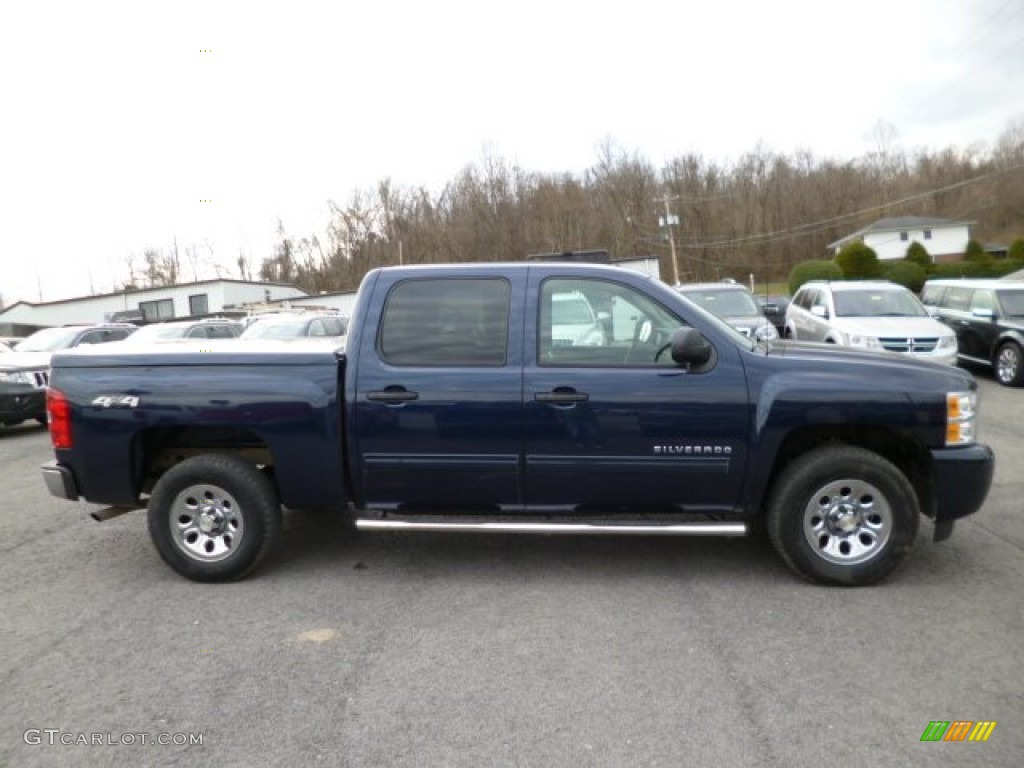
869	314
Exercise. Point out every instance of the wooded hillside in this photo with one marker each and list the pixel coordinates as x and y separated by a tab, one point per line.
761	214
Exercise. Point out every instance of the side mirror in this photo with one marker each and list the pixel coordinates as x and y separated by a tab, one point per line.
819	311
689	347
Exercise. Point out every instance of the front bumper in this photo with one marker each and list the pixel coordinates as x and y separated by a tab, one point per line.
962	480
60	481
21	403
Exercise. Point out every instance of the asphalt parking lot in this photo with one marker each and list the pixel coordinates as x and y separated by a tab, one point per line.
428	650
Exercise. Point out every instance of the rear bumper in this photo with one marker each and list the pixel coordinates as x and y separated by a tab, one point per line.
60	481
962	480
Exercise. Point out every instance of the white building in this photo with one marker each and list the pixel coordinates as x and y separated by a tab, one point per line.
944	239
206	297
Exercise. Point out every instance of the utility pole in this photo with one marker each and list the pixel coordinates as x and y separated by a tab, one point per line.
670	221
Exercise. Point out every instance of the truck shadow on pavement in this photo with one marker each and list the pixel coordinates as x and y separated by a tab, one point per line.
15	431
320	542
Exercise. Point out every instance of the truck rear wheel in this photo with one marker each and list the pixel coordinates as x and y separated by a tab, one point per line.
842	515
214	517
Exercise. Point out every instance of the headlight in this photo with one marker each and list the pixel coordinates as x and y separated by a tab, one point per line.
14	377
961	412
946	342
766	333
859	340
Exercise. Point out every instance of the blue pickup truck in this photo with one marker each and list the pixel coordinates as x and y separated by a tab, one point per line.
461	403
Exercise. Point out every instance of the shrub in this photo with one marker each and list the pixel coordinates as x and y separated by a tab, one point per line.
858	262
815	269
976	253
918	254
956	269
1017	250
907	273
1005	267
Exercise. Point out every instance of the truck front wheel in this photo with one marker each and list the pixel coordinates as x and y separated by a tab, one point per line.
214	517
842	515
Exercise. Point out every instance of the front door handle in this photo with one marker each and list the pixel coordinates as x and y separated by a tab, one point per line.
395	394
561	396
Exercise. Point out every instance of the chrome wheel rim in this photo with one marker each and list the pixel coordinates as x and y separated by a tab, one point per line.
847	521
1007	364
206	523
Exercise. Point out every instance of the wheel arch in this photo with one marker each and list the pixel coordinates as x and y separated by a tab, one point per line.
903	450
157	449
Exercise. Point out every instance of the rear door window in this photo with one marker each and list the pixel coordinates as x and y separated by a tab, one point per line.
446	322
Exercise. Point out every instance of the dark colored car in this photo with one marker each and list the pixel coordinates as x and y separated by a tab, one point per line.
988	319
25	372
733	303
774	308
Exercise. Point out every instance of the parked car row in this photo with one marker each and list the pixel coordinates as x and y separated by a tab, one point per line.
25	366
988	319
869	314
955	321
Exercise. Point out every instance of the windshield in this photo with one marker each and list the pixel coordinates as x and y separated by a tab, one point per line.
276	329
152	332
571	310
1012	301
725	303
885	303
48	340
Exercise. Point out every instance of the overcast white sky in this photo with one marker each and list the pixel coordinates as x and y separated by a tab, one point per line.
115	124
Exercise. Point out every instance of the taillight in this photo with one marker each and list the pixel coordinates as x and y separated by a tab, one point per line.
58	408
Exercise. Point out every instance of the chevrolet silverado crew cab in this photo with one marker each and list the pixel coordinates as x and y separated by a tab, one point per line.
457	405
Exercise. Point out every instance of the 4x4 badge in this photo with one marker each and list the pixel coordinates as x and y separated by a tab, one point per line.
116	401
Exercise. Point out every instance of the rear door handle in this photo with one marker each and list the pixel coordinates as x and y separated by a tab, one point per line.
561	396
392	395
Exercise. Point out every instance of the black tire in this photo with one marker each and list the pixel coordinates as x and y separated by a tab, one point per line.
214	517
1009	365
842	515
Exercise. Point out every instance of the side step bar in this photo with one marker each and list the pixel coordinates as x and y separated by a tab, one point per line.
645	529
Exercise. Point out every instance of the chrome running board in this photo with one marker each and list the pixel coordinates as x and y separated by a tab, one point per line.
644	529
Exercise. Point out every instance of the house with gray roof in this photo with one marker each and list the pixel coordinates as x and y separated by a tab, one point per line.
944	239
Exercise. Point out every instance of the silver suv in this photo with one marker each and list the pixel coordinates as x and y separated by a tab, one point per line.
869	314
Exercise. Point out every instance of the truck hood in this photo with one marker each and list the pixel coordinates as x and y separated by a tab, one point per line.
888	327
857	361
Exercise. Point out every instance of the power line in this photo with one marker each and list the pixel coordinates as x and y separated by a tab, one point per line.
810	228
